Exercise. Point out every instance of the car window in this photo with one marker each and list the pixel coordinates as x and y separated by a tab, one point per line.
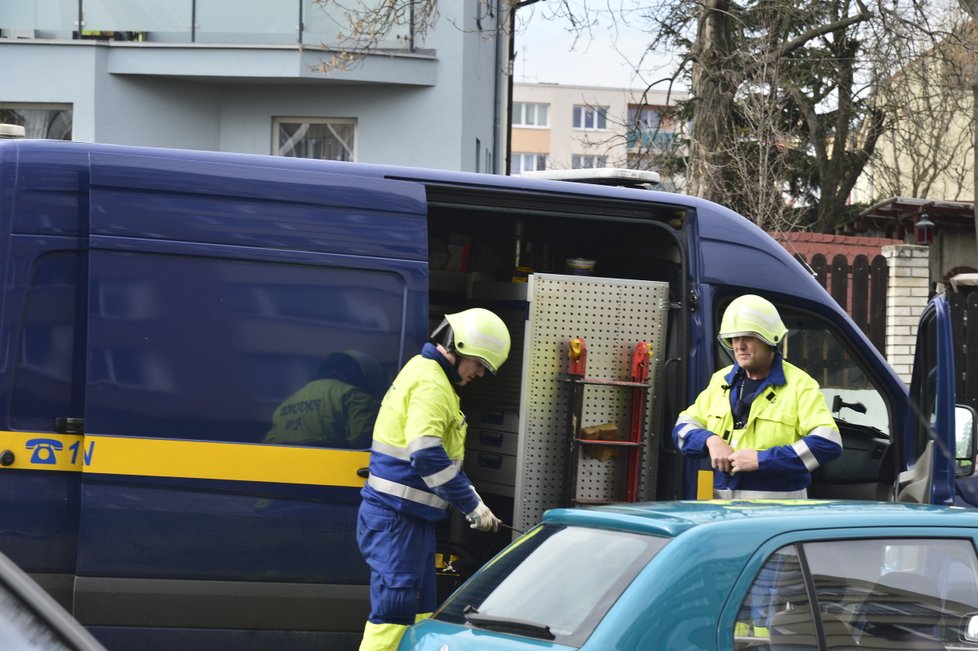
22	630
531	581
874	594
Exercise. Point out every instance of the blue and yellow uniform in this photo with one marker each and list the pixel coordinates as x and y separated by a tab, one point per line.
415	475
788	423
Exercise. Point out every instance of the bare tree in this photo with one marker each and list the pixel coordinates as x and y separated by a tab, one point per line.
365	26
822	66
929	149
971	6
714	84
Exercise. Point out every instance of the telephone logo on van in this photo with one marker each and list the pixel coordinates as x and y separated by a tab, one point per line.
44	450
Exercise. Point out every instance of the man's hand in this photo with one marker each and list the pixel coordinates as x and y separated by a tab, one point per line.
744	461
482	518
720	453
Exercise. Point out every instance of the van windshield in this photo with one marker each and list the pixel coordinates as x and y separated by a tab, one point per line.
526	588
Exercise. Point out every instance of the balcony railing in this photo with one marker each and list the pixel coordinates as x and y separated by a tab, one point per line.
238	22
649	139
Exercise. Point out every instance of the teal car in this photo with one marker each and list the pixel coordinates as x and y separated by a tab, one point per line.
724	575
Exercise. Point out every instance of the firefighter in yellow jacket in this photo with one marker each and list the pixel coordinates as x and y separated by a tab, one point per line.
416	471
762	422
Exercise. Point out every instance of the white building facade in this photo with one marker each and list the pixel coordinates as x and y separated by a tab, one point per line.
245	76
570	127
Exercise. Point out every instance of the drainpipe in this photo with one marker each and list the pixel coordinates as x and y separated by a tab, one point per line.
500	139
505	42
512	71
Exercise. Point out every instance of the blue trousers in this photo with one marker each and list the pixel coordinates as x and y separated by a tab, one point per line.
400	551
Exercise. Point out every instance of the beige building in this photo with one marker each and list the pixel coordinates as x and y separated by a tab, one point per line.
571	127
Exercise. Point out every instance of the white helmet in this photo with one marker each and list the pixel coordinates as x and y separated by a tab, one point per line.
752	316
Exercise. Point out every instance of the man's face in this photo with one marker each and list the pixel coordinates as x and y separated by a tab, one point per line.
469	368
753	355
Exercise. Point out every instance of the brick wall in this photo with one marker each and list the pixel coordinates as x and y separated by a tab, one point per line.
908	284
907	293
808	244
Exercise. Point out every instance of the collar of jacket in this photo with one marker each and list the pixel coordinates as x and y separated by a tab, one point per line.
774	378
430	351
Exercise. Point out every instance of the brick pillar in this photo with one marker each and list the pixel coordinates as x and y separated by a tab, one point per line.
908	289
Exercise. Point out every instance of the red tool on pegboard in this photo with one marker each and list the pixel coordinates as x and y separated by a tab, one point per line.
637	385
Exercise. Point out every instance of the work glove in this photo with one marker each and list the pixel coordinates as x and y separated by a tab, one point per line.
482	518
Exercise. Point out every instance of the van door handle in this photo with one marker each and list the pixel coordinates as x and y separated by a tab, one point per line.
363	472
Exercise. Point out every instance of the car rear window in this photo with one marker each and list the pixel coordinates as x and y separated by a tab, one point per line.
557	582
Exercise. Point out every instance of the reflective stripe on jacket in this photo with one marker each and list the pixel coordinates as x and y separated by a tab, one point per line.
419	443
789	424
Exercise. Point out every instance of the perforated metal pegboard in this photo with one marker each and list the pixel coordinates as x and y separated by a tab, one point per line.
612	315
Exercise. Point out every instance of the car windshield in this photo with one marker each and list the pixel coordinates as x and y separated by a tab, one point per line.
556	582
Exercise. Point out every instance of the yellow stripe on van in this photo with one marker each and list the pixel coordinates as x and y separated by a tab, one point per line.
147	457
42	450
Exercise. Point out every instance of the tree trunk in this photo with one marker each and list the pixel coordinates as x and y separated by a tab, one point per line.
974	90
971	6
713	88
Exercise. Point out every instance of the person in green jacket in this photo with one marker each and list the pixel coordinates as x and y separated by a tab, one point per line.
335	410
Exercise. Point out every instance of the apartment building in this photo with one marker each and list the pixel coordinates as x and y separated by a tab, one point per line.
570	127
247	76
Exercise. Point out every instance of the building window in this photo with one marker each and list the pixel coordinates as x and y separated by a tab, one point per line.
530	115
592	118
588	161
644	118
528	163
646	129
321	138
47	121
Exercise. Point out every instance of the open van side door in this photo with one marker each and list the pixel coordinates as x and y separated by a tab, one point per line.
928	434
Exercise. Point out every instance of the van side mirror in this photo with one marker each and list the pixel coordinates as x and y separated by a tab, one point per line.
964	440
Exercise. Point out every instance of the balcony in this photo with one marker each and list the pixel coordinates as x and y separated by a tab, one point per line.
648	139
236	39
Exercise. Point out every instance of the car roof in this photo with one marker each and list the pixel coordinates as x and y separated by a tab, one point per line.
674	518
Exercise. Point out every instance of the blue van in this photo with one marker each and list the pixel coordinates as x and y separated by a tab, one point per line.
165	312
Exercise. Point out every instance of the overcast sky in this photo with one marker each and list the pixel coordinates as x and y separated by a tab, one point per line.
547	52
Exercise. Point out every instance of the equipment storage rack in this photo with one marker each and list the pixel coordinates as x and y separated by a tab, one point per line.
637	386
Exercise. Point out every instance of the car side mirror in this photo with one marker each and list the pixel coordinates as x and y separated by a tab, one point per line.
964	442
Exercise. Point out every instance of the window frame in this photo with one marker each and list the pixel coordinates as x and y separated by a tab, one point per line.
516	170
599	161
55	108
521	111
277	122
596	115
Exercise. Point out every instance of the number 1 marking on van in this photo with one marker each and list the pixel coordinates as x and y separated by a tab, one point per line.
87	454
